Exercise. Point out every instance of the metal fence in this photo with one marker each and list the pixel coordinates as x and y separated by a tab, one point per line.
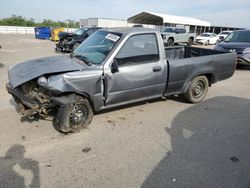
24	30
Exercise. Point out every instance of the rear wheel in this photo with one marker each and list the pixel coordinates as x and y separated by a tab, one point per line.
74	117
190	42
170	42
197	90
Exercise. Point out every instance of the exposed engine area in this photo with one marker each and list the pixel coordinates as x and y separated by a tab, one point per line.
37	99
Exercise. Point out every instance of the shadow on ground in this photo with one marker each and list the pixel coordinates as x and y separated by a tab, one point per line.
14	159
210	147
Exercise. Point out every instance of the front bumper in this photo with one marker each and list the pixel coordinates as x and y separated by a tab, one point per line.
27	106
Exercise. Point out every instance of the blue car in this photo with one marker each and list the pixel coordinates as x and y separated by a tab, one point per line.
238	41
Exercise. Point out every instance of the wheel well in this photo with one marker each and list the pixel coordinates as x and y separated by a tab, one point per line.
171	38
210	77
85	95
67	97
191	38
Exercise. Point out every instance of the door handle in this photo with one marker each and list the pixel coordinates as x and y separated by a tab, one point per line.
156	69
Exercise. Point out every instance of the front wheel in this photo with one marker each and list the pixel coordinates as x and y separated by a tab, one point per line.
74	117
197	90
76	45
190	42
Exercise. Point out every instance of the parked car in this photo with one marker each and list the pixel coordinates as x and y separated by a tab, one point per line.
111	68
207	38
172	35
238	41
222	35
70	41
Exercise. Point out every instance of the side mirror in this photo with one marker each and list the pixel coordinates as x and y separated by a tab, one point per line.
114	66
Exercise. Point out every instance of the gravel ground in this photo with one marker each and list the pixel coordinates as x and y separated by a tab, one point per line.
159	143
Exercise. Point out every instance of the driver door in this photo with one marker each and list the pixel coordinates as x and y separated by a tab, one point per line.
137	68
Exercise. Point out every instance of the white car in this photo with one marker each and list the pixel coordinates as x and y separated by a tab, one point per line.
207	38
223	35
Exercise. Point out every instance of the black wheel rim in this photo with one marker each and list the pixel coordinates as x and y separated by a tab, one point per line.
78	115
198	89
76	45
170	42
190	42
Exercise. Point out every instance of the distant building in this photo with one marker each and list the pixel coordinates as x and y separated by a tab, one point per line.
163	20
192	25
108	22
156	20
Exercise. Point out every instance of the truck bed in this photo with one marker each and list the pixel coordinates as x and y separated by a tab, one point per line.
185	63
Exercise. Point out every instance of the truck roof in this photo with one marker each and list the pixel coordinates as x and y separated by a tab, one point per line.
126	30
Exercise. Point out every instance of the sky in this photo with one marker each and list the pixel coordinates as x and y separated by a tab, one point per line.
217	12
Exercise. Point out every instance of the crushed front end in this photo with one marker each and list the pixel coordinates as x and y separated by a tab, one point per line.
32	99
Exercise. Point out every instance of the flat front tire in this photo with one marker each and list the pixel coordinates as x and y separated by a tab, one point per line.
73	117
197	90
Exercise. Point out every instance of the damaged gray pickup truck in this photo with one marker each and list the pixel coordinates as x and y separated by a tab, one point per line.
114	67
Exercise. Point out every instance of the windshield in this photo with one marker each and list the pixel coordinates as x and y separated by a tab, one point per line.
97	47
80	31
205	35
238	36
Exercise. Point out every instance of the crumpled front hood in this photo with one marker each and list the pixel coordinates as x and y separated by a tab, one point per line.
28	70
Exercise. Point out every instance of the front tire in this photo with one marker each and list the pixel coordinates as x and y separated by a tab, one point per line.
76	45
197	90
73	117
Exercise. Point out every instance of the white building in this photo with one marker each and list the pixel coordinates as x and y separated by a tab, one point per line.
108	22
191	24
156	20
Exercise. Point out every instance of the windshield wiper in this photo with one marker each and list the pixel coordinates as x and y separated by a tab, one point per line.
84	59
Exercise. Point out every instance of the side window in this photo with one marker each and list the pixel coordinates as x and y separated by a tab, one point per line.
138	49
91	31
88	33
182	30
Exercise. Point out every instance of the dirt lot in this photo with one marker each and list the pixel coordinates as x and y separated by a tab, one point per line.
160	143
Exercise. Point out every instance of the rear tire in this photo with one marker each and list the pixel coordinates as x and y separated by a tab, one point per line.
190	42
170	42
73	117
197	90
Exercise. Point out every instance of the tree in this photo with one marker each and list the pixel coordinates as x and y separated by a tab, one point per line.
22	21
